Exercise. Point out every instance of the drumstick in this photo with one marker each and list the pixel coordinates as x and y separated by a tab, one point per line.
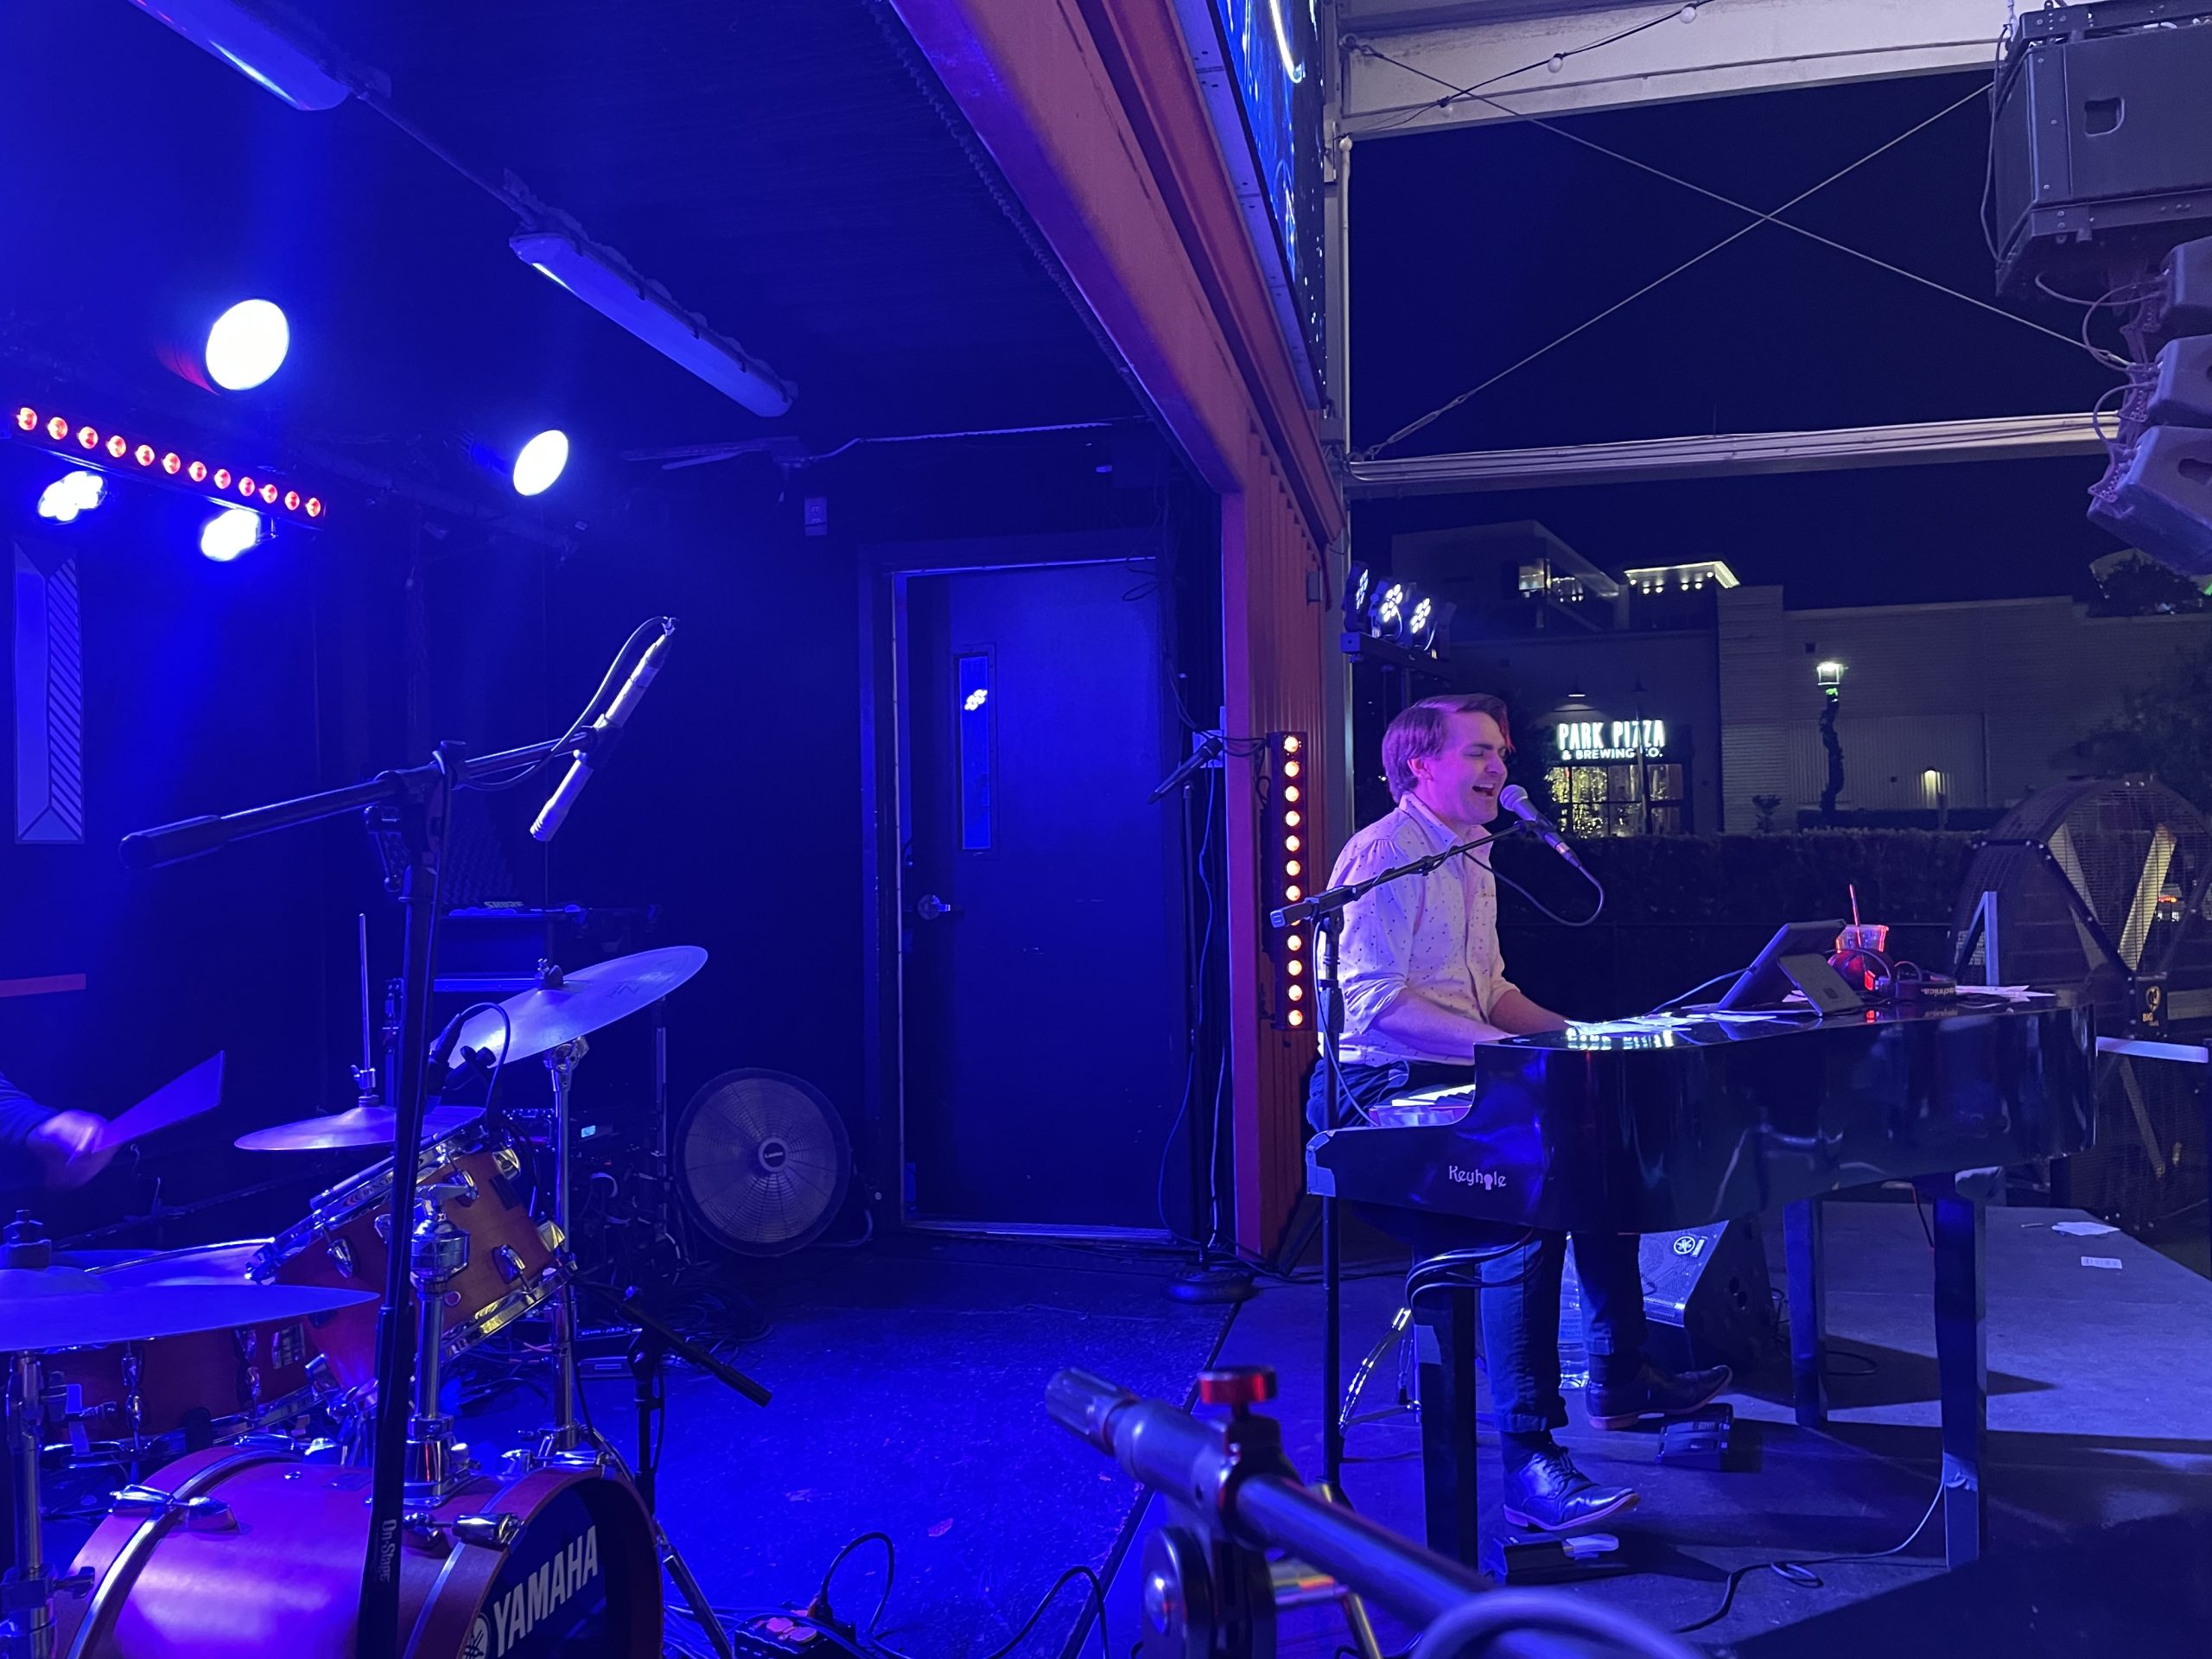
196	1091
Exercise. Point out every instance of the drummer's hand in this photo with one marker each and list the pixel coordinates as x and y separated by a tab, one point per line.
64	1147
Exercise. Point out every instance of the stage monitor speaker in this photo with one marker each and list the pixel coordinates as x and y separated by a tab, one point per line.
2101	150
2180	392
1707	1301
2159	499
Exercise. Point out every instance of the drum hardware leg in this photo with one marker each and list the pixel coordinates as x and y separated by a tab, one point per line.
27	1594
438	1251
567	1435
651	1396
701	1609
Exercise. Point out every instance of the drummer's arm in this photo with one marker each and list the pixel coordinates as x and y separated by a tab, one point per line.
19	1116
40	1145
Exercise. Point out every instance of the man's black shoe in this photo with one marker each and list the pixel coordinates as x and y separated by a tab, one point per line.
1651	1394
1548	1493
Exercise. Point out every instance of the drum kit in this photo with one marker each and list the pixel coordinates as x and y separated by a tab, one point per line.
233	1384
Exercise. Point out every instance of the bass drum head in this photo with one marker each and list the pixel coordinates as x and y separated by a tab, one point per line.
260	1553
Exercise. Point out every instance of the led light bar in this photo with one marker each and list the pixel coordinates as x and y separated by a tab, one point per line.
134	454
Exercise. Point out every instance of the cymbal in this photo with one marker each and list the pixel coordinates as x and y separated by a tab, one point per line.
196	1091
584	1001
361	1126
43	1308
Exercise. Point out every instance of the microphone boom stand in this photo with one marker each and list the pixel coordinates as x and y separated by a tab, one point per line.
413	802
1326	911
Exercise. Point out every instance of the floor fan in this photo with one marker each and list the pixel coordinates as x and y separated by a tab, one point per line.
763	1161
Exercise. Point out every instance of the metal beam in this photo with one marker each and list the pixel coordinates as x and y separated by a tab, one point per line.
2024	437
1727	46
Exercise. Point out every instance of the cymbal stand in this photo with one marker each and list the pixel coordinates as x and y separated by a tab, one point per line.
567	1435
368	1086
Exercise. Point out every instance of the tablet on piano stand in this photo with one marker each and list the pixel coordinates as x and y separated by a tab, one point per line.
1825	989
1765	983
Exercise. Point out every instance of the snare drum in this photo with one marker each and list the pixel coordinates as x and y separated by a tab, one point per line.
514	1263
148	1401
240	1550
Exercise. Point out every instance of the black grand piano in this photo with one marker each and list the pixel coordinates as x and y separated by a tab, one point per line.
1655	1126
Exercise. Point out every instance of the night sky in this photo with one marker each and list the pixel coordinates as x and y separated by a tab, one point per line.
1472	248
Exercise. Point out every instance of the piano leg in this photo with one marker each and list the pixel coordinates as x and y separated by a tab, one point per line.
1962	1368
1444	1333
1801	1236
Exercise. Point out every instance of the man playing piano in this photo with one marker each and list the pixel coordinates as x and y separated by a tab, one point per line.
1422	982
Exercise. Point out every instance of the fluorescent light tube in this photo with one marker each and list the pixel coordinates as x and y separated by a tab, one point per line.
601	280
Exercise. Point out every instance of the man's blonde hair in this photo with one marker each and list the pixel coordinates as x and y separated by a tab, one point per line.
1421	730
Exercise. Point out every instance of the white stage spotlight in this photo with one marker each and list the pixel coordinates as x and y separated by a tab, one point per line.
71	494
230	533
247	345
540	463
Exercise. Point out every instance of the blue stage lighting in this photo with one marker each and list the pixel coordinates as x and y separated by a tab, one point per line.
71	494
229	533
247	345
540	463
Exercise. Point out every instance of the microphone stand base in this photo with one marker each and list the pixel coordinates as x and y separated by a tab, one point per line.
1212	1281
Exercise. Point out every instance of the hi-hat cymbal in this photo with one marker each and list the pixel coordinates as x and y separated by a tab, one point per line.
45	1308
361	1126
584	1001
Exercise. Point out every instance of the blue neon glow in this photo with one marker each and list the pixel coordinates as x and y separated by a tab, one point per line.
247	345
230	533
541	462
71	494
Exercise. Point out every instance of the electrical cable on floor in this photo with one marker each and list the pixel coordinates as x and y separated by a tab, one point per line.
1799	1573
862	1641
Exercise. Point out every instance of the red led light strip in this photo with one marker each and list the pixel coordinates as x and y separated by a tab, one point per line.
267	495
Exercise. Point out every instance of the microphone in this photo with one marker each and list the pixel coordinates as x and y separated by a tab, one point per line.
1515	799
602	733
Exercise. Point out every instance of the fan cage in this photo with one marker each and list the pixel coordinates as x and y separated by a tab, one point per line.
763	1161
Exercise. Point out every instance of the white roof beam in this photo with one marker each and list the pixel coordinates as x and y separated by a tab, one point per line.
2024	437
1730	45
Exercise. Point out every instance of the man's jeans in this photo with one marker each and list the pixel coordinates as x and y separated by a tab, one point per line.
1520	1303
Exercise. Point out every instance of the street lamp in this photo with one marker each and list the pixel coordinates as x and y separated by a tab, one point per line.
1829	676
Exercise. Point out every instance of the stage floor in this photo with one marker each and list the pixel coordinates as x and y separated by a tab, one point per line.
2099	1413
909	1384
910	1376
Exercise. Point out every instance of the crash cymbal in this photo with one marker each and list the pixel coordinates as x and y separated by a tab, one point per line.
360	1126
47	1308
584	1000
196	1091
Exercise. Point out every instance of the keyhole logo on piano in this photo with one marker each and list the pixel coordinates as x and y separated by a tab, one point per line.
1489	1179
